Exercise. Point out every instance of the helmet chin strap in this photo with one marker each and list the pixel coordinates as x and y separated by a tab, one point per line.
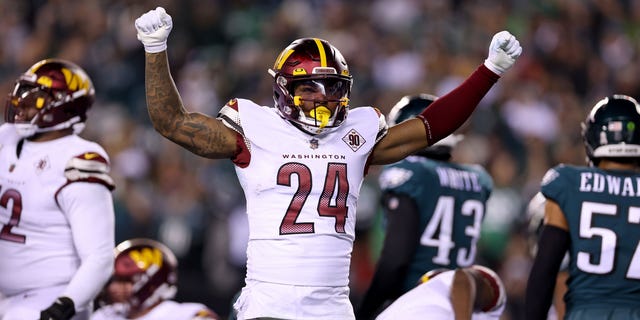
26	130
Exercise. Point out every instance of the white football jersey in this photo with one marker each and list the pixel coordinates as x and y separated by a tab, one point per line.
167	309
431	300
301	192
36	243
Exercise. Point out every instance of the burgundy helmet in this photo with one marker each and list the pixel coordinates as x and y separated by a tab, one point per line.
151	267
316	62
499	291
60	90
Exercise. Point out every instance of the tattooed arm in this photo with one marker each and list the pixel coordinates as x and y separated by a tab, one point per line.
201	134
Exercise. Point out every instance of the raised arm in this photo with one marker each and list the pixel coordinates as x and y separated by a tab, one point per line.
199	133
450	111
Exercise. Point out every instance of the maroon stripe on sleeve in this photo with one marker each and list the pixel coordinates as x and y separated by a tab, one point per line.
449	112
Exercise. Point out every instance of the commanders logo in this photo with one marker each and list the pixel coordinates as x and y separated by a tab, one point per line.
146	257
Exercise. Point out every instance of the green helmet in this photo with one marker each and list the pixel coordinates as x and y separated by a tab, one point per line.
409	107
611	129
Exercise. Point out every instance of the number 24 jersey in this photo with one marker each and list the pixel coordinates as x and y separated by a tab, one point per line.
301	192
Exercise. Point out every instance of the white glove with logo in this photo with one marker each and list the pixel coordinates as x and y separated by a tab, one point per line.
153	30
503	52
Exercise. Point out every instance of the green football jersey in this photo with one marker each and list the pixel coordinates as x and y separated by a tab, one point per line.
451	200
602	209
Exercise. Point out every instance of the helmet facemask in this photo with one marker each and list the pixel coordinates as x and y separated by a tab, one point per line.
319	95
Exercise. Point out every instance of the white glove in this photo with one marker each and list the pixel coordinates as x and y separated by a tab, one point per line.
503	52
153	30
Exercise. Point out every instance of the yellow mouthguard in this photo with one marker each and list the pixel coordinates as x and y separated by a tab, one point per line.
321	114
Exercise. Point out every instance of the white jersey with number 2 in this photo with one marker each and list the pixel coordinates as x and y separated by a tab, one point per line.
41	186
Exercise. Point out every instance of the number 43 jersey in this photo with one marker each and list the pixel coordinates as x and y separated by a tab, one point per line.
602	209
451	200
301	192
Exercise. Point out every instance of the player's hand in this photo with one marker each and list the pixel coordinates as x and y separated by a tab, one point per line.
62	309
503	52
153	29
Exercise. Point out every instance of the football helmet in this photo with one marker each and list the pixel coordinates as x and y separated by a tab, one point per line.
61	91
152	269
496	284
411	106
612	129
321	68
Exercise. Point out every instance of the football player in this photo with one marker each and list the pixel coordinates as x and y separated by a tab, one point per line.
594	213
433	208
475	292
56	207
302	162
142	286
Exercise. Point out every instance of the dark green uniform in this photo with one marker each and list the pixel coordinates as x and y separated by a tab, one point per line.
602	209
451	202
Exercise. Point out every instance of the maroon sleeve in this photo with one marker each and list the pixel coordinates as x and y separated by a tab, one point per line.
242	156
450	111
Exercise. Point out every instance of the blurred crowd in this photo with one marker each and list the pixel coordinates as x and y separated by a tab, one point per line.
575	52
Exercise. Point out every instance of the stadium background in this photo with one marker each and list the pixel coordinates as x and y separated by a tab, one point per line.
575	52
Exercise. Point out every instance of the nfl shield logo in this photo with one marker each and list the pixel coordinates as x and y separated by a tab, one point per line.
313	143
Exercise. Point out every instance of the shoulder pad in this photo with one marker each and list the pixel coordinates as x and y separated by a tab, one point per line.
393	177
550	176
89	167
230	116
431	274
205	314
383	127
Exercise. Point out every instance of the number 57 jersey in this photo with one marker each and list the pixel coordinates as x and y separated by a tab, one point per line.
602	209
301	192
